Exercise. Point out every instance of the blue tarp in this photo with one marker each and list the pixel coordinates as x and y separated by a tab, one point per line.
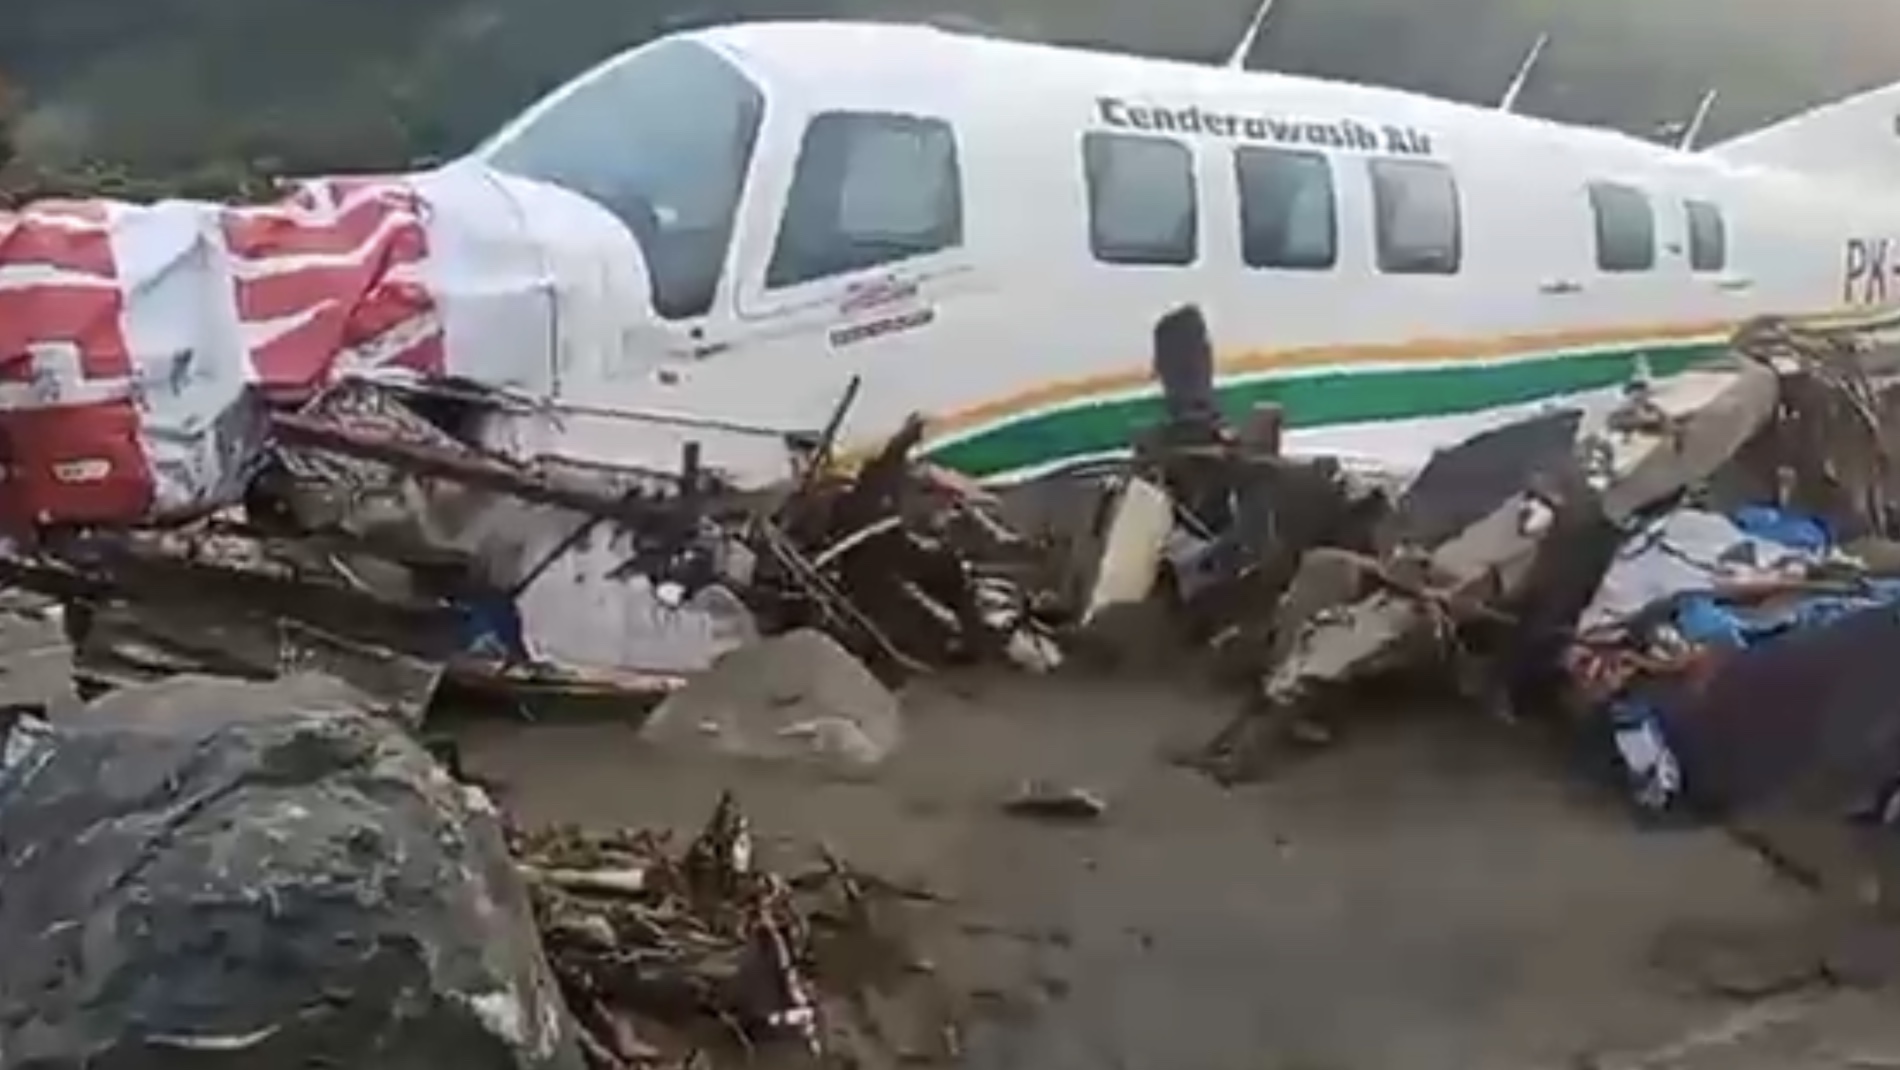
491	627
1707	619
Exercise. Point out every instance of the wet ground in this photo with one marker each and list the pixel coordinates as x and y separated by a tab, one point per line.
1435	892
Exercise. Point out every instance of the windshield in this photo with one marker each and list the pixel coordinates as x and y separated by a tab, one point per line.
662	139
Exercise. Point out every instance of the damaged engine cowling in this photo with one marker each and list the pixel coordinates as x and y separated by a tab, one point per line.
153	339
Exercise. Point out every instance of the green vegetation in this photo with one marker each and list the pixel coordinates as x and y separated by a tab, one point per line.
163	86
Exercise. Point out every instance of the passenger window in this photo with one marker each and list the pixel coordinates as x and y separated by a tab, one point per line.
1287	214
870	188
1142	205
1417	217
1708	237
1626	227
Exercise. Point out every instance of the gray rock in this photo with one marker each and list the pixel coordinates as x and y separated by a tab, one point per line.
795	696
1055	802
207	872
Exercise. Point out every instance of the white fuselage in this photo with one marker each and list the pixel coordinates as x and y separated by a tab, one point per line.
985	232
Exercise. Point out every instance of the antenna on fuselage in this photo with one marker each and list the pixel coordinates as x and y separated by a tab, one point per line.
1237	60
1694	130
1523	76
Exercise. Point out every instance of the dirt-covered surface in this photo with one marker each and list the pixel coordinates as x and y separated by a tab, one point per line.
1438	891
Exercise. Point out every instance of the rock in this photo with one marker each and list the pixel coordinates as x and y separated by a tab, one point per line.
1053	802
262	875
795	696
1033	650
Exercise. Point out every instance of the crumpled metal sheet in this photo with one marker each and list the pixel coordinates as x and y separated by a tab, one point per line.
352	493
1464	484
409	513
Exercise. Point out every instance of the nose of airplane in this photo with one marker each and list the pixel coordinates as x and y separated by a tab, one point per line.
542	285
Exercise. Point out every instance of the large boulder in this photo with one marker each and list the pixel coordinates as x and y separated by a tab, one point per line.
208	872
798	696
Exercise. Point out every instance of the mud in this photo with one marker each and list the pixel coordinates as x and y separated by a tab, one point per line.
1436	891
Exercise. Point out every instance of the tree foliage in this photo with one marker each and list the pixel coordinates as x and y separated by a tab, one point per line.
163	86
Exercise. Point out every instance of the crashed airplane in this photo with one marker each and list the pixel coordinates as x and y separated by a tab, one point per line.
794	237
556	421
709	237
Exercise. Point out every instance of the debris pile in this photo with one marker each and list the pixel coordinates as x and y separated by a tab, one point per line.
1662	647
1736	647
408	536
909	564
663	953
1703	571
1633	563
379	540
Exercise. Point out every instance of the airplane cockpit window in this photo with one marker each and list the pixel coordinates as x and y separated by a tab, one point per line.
1708	237
1142	205
663	140
870	188
1626	227
1417	219
1287	215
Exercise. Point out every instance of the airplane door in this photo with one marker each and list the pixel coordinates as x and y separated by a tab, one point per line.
1607	268
1632	281
1563	271
1705	237
848	268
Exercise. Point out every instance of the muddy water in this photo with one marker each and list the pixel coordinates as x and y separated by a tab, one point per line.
1435	892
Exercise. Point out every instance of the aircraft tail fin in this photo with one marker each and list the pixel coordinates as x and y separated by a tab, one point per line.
1855	139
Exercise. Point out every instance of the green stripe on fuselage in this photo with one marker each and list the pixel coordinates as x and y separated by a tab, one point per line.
1315	399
